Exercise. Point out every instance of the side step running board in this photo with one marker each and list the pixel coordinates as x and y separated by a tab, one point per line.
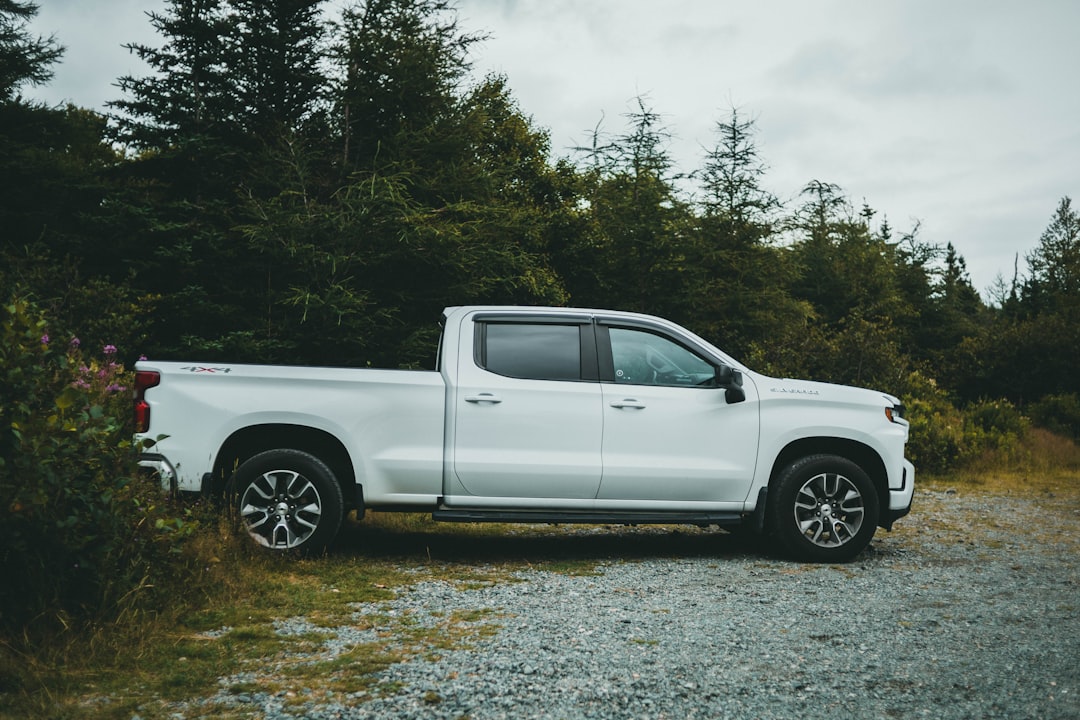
645	517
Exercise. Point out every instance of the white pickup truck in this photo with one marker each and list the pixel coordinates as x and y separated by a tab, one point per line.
552	415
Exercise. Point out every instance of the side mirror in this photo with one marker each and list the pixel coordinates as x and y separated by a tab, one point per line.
731	380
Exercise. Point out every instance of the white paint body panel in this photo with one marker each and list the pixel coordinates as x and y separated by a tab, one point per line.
466	437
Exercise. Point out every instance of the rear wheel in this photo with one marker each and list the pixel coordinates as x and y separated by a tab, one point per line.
825	509
288	500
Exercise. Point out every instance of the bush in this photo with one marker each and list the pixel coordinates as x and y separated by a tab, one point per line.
936	441
997	428
944	438
1059	414
80	536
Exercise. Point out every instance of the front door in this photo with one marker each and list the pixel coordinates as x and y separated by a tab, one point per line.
669	433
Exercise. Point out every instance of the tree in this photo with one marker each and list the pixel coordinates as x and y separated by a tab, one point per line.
845	267
54	167
744	275
633	230
402	62
854	279
452	207
276	49
1054	265
187	103
731	177
23	59
234	95
1036	338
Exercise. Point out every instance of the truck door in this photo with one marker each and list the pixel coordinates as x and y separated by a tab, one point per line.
669	433
528	413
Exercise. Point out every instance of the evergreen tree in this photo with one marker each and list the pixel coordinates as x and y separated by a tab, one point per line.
632	241
851	276
845	267
276	50
24	59
234	95
446	199
743	296
1054	264
402	63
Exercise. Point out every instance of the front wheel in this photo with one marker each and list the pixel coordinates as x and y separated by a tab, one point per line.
825	509
288	500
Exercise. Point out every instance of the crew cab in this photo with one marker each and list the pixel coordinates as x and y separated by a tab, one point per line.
550	415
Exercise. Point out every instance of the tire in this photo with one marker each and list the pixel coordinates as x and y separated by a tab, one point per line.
825	509
288	500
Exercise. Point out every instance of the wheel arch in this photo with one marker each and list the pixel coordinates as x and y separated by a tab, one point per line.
859	453
254	439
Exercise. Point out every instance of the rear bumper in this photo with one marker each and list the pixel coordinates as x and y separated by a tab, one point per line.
158	468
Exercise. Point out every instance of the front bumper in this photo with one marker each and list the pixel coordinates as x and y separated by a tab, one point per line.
900	498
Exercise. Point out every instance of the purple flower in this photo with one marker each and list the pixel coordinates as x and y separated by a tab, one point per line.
109	350
45	339
81	384
114	388
142	357
75	343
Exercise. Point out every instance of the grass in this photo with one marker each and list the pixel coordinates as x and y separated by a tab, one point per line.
139	665
226	626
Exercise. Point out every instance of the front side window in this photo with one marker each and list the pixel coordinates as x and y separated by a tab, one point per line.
541	351
642	358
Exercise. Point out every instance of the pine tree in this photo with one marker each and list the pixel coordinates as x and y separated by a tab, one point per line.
24	59
743	297
1054	264
402	63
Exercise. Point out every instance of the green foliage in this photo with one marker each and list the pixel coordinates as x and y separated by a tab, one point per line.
997	427
937	439
1058	413
23	59
944	437
80	537
1054	283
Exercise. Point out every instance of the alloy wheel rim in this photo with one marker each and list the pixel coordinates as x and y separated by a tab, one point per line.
281	509
829	510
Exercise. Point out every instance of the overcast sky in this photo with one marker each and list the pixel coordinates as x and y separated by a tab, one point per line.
961	114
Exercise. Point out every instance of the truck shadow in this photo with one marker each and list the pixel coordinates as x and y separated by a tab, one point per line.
528	544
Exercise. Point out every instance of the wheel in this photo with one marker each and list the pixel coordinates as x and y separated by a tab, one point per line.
825	509
288	500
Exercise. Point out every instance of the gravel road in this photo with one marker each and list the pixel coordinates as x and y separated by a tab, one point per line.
970	609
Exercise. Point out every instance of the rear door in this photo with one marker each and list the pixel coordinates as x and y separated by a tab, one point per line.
528	411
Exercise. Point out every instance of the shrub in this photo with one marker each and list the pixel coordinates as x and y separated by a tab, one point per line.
944	438
1059	414
937	440
995	428
80	535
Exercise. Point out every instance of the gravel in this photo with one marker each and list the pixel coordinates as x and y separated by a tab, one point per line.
968	610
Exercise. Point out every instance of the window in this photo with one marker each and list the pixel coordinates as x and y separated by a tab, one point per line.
642	358
541	351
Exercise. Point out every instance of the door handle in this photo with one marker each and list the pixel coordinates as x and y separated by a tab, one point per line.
628	403
483	398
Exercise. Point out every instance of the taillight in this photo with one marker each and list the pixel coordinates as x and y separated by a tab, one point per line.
144	379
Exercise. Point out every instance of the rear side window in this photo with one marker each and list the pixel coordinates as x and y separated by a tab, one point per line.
531	351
